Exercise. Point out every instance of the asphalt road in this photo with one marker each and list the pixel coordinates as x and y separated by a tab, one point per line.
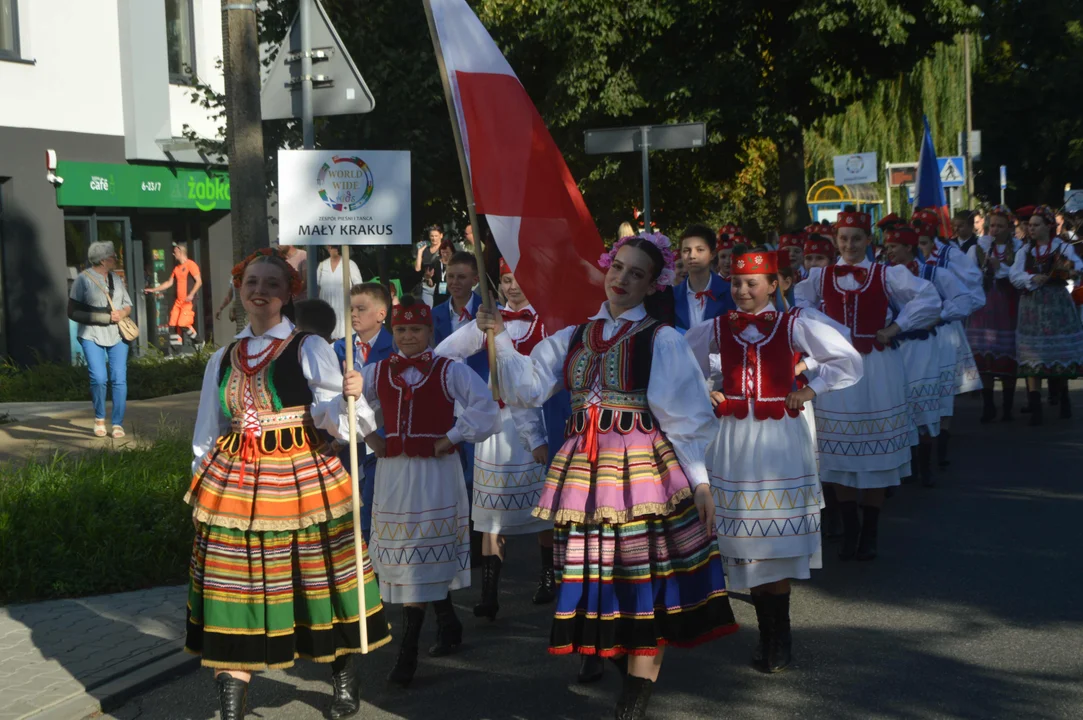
971	611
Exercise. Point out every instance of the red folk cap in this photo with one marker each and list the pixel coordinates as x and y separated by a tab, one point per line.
925	222
783	260
1025	212
889	221
788	241
416	314
756	262
854	220
901	235
725	242
504	269
819	245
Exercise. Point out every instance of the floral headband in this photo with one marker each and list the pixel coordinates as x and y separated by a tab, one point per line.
1048	214
660	241
296	286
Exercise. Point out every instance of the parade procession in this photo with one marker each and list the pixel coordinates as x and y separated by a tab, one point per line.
541	360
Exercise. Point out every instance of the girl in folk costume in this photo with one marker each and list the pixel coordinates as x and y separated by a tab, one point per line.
819	252
273	575
637	567
920	347
762	461
793	243
509	467
958	371
1049	338
991	330
420	510
863	431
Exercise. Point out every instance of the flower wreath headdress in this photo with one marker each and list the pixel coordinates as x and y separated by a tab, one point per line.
295	279
661	242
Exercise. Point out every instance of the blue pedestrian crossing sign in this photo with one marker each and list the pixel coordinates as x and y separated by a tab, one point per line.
952	172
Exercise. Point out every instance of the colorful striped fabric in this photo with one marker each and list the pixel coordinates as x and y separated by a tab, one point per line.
635	587
260	600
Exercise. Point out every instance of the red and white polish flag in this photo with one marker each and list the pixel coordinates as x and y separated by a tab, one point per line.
520	180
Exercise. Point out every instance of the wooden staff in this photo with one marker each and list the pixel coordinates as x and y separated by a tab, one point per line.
464	169
355	485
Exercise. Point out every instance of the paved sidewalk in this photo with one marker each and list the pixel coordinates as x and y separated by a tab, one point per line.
59	659
42	428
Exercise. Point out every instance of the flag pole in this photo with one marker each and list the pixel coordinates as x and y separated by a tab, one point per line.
464	168
355	483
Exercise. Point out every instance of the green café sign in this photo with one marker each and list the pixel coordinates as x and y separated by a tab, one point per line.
141	186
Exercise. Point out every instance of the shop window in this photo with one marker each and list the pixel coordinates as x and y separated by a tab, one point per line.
9	29
180	41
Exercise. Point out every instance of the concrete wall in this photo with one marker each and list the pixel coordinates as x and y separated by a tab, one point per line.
32	237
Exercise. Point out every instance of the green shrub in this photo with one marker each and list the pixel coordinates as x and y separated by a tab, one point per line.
150	376
100	522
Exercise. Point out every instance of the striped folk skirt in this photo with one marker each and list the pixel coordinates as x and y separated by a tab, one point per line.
1049	337
991	330
273	575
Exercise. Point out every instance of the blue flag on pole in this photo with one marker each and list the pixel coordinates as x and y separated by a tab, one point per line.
929	193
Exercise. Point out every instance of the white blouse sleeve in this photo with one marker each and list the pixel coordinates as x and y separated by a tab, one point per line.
838	365
919	300
806	294
700	340
1019	275
530	426
1069	251
956	298
462	343
355	274
965	267
211	422
530	380
678	398
479	417
329	409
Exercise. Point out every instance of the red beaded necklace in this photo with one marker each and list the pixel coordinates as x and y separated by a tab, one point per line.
261	359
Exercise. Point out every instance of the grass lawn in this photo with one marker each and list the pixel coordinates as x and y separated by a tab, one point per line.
100	522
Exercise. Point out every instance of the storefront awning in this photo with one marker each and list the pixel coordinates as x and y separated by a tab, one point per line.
141	186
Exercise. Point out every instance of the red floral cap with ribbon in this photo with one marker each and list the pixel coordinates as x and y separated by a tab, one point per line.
1025	212
926	222
889	221
504	268
901	235
756	262
854	219
819	245
783	258
789	240
416	314
725	242
729	229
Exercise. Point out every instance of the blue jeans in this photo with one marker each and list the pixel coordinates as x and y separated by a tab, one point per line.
118	377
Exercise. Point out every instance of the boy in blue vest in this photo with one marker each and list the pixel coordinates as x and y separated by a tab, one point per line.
369	305
703	295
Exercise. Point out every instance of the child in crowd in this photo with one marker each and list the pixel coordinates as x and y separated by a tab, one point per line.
703	295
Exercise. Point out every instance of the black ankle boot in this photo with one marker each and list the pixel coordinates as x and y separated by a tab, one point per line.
942	448
449	631
1009	400
776	643
490	588
346	700
591	668
406	665
763	622
831	517
634	697
547	581
870	524
989	408
231	696
1035	399
1054	391
925	463
1065	400
851	530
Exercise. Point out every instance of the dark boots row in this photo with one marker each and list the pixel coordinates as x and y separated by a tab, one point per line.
989	410
859	531
773	653
491	566
1058	395
449	636
345	700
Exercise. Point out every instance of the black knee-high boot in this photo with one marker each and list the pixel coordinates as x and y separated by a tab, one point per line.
1009	399
1035	398
925	462
231	696
406	665
490	587
1065	399
942	448
449	631
870	525
547	581
634	697
832	519
346	700
988	402
851	529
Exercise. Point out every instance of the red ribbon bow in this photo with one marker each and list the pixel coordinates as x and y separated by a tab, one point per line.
465	316
739	321
523	314
422	363
705	294
860	274
364	348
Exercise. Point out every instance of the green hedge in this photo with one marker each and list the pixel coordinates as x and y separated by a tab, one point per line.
99	522
150	376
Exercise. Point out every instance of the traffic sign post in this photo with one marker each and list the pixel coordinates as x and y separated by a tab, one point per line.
952	171
643	139
1003	182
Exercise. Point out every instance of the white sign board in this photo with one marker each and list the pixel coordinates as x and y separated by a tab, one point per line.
344	197
858	169
1073	201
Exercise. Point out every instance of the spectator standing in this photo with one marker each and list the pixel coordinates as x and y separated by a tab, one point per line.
428	254
187	281
99	336
298	260
329	281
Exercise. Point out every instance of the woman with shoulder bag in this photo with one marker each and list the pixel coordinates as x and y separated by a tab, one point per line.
99	303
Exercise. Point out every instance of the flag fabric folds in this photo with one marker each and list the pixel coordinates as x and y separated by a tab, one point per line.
929	193
520	180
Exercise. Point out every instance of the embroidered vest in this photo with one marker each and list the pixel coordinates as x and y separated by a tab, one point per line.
415	417
862	310
534	335
757	375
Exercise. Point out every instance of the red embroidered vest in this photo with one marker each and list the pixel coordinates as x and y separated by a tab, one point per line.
863	310
757	374
415	417
534	335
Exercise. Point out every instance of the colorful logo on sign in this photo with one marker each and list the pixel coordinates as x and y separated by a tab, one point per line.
345	183
207	192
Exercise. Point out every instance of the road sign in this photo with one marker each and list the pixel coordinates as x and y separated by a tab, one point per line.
899	174
857	169
952	173
337	86
1003	177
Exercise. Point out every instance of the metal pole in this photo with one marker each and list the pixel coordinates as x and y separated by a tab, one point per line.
308	125
887	187
969	125
644	147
